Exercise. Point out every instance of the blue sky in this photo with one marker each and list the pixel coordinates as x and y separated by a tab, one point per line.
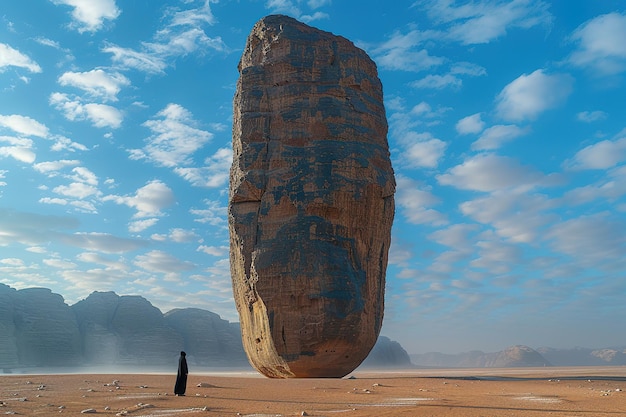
507	129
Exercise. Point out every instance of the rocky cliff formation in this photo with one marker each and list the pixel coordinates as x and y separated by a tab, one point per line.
46	330
210	340
8	342
615	356
512	357
388	354
311	201
37	329
125	330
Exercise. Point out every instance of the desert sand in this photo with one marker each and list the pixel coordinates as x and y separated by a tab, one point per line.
567	392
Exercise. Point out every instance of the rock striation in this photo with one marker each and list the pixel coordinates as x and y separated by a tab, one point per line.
209	339
311	201
46	330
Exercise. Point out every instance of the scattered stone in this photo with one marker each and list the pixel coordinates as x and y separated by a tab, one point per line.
205	385
304	413
89	411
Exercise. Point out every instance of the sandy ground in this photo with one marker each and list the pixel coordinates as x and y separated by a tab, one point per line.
563	392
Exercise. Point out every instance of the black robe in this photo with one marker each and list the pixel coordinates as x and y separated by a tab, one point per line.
181	377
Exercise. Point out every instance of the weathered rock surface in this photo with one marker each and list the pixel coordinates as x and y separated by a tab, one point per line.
210	340
46	331
8	342
388	354
311	201
125	330
512	357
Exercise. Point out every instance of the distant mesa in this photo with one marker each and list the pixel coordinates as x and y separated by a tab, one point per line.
106	330
311	201
37	329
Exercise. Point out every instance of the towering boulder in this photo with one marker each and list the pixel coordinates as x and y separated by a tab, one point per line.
311	201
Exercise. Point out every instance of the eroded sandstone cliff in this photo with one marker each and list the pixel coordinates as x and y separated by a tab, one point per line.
311	201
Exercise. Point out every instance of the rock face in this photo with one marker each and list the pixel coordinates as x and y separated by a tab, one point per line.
311	201
210	340
125	330
512	357
46	331
388	354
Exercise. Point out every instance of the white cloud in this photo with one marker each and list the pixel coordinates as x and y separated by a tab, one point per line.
529	95
467	68
214	174
100	115
416	202
89	15
181	36
101	242
214	214
591	116
59	263
61	143
10	57
482	22
283	6
219	251
174	138
495	136
97	83
183	43
601	155
593	241
160	262
24	125
470	124
399	53
77	190
308	18
19	149
51	167
601	44
141	225
437	82
84	175
496	256
518	217
489	172
148	200
422	150
194	17
131	59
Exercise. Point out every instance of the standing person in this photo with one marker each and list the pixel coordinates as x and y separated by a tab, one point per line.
181	377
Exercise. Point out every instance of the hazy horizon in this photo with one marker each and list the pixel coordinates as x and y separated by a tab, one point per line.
507	130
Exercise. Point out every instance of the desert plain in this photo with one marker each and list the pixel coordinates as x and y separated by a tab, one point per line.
562	392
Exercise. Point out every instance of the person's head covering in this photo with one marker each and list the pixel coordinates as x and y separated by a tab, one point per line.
183	353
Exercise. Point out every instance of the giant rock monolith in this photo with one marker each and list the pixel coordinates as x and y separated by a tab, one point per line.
311	201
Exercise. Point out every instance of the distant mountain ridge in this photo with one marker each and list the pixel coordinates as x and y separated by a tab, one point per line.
37	329
523	356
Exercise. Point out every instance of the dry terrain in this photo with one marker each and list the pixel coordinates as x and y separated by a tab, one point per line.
563	392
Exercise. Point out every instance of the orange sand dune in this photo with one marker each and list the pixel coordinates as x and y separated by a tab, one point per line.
411	393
